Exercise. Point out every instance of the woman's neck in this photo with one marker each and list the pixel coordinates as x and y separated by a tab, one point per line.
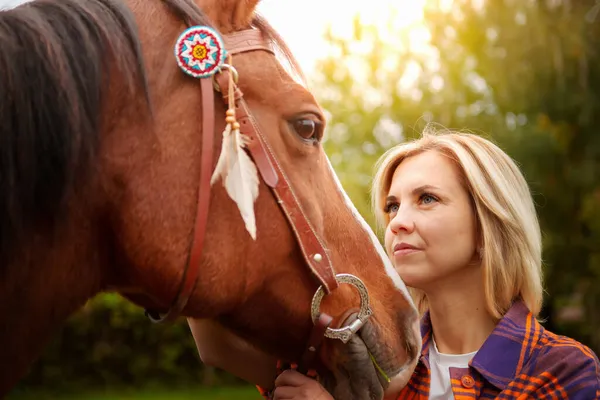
459	318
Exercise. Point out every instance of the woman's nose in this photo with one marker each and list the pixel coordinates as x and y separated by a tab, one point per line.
402	222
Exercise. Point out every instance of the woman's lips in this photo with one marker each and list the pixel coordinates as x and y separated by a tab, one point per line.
404	249
405	252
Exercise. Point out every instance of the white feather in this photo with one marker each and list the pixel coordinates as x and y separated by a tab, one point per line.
239	175
242	182
221	168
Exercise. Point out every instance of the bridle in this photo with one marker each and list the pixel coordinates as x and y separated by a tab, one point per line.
311	246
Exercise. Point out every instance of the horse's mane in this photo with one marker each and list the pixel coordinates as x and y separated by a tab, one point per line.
55	58
54	62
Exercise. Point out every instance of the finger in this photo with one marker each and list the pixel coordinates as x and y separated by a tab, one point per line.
284	393
291	378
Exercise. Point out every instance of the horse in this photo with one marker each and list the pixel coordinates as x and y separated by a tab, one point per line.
107	181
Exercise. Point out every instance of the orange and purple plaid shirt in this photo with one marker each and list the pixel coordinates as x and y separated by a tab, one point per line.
519	360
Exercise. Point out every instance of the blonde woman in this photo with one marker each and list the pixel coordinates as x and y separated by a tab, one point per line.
462	231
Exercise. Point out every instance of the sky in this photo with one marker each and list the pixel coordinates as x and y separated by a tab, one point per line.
10	3
303	22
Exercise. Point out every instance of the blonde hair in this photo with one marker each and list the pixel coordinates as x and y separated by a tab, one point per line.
506	217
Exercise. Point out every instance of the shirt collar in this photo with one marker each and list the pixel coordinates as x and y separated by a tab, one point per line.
503	354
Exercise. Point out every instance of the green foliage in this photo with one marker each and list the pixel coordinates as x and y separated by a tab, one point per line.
111	343
241	393
525	73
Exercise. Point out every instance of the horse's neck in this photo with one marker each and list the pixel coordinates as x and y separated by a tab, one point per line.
38	292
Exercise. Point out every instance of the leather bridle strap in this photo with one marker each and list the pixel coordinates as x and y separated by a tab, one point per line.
190	275
311	246
317	334
246	41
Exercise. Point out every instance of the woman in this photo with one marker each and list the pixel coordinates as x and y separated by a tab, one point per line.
462	232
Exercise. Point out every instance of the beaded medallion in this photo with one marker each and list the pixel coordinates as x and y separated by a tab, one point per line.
200	51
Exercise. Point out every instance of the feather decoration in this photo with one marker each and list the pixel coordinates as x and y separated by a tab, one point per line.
221	168
241	182
237	171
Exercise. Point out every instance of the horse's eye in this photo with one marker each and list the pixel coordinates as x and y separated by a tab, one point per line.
307	129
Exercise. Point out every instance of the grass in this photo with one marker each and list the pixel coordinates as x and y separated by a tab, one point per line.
243	393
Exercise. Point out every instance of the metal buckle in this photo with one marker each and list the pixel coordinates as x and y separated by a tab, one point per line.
344	334
233	72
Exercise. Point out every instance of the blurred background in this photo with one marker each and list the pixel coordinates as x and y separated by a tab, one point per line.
524	73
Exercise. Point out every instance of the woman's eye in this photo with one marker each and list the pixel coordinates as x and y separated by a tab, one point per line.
391	208
307	129
427	199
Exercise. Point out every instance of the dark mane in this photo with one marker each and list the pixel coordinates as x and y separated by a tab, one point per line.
54	63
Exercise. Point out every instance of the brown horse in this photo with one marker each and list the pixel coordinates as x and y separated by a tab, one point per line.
102	164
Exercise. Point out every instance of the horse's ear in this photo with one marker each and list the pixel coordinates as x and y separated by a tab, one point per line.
244	13
231	15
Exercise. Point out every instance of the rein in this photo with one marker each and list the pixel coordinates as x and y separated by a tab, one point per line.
223	80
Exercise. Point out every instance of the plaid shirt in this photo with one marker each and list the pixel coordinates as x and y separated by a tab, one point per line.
519	360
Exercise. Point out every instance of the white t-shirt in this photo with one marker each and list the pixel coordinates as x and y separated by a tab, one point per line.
440	387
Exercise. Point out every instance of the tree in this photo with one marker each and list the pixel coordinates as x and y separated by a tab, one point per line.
525	73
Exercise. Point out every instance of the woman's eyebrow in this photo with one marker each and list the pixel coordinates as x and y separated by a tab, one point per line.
390	199
416	191
424	188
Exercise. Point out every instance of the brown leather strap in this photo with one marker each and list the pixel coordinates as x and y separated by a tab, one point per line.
310	244
246	40
238	42
312	248
190	275
317	334
263	163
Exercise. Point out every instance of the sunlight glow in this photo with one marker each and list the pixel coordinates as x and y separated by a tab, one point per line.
303	24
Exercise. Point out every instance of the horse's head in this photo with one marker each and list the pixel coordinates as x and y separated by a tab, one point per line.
306	228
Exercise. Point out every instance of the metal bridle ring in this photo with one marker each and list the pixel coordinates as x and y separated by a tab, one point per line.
345	333
233	72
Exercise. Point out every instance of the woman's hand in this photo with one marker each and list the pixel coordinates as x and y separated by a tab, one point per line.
292	385
221	348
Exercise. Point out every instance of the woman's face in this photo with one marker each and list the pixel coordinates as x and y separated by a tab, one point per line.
431	237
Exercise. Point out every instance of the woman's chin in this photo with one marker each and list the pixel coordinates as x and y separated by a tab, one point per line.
413	279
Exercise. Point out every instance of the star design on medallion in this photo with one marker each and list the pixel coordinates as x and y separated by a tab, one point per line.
200	52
